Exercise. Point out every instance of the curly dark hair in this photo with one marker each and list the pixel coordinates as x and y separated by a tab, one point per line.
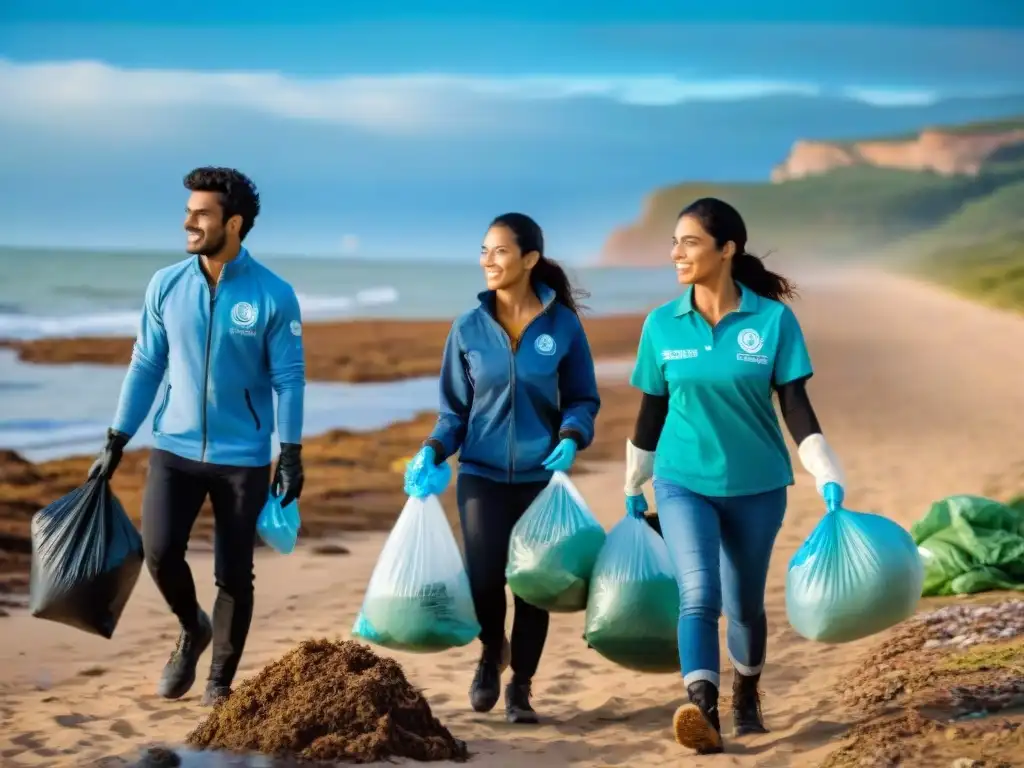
237	192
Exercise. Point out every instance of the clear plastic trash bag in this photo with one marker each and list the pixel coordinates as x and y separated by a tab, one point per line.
553	549
86	559
279	526
633	606
857	574
418	598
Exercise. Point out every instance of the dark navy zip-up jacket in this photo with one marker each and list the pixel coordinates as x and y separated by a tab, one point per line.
505	410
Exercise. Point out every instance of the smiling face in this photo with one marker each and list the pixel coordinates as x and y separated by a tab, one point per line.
503	262
696	256
206	231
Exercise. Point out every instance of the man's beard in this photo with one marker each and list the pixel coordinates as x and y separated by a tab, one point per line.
214	246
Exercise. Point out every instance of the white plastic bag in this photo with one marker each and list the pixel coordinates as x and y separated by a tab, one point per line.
418	598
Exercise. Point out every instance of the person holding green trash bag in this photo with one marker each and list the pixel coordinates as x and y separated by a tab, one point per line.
518	399
708	364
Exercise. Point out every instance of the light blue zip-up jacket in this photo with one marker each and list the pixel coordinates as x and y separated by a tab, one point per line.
502	409
224	352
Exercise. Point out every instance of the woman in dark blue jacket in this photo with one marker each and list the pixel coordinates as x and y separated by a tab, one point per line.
518	400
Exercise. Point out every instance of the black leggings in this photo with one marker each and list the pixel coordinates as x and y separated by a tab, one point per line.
175	491
487	512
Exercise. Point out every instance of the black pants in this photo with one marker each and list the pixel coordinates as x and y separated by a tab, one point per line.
175	491
487	512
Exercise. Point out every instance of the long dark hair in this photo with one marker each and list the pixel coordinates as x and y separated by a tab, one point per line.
530	237
724	224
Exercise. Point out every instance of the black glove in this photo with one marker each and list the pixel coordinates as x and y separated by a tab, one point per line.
288	478
106	463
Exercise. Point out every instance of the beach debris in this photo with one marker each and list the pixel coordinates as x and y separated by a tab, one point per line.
329	701
963	626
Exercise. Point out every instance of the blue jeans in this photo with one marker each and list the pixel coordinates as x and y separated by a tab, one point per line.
720	547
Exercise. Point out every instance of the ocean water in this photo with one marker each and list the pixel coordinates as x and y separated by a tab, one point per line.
53	411
67	293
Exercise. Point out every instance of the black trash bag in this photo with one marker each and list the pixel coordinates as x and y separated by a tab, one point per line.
86	558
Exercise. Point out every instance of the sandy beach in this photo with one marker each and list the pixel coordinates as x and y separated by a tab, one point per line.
920	394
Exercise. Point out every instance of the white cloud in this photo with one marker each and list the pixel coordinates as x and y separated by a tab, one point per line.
886	97
94	97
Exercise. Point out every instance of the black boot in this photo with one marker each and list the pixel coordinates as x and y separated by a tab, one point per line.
746	705
486	687
180	671
696	724
517	703
215	693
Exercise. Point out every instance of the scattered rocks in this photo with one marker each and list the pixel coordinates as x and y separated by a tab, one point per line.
962	626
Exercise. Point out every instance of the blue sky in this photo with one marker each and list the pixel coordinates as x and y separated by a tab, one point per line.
373	125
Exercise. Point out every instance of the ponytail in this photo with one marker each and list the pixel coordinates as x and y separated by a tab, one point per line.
750	270
551	274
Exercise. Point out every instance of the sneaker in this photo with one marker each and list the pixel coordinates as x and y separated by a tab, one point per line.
696	724
215	693
746	705
179	673
517	703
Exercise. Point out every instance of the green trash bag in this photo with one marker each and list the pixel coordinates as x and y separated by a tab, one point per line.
970	544
553	549
857	574
418	598
633	606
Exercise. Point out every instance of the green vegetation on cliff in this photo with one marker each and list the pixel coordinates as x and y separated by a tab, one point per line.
964	231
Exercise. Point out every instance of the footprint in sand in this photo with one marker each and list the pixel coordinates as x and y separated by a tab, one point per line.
73	720
158	715
123	729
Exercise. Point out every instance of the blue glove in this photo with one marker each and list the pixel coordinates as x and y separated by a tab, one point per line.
636	506
561	459
418	471
833	495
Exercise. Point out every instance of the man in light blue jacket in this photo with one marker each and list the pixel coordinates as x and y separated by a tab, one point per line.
221	333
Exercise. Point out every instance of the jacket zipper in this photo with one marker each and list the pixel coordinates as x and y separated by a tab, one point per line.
206	365
512	349
255	416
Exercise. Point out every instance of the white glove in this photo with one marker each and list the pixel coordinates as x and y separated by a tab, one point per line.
819	460
639	468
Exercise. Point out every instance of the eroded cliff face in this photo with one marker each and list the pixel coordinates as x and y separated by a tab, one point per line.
949	154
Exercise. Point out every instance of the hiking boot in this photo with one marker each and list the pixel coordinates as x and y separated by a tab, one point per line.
179	673
517	703
215	693
486	687
746	705
696	724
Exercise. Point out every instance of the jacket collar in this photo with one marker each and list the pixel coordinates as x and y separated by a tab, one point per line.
233	268
544	292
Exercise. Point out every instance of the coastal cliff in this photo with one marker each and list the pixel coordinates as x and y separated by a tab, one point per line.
942	152
849	199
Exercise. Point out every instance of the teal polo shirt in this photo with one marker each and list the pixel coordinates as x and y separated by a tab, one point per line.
722	435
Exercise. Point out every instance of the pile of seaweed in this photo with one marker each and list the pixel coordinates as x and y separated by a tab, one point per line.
331	702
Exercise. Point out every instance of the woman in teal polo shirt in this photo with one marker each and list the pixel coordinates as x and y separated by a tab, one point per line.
708	364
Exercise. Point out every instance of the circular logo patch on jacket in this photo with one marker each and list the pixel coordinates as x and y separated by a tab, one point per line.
545	345
244	314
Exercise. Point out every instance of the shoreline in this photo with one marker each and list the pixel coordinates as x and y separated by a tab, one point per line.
354	351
